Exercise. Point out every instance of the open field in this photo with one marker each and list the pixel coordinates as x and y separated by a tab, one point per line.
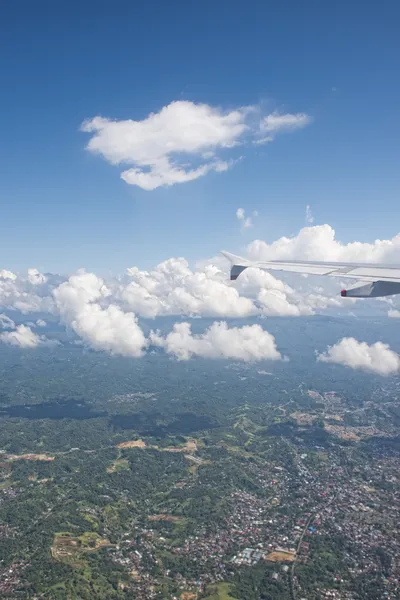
164	517
132	444
219	591
43	457
67	548
281	556
118	465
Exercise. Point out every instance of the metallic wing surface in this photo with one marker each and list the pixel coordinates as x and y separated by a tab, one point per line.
383	280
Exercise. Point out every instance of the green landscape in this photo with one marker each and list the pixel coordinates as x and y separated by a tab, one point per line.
287	494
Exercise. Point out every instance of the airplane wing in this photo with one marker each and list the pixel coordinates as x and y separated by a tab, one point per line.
384	280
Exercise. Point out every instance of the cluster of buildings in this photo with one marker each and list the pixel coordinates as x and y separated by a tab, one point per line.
308	497
248	556
359	502
10	577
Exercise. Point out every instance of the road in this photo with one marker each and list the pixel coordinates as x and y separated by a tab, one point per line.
310	518
292	588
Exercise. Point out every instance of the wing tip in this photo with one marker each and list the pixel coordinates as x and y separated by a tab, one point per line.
236	260
238	264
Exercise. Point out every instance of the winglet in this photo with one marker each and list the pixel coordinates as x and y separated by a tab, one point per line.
236	260
238	264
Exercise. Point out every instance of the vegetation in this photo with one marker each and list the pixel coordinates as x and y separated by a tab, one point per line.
113	475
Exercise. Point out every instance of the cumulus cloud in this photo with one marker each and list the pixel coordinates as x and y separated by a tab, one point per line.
26	293
19	293
4	274
319	243
392	313
22	336
41	323
248	343
173	288
309	216
276	303
376	358
105	315
276	298
155	145
35	277
106	328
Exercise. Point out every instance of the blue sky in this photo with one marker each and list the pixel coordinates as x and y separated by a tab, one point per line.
62	63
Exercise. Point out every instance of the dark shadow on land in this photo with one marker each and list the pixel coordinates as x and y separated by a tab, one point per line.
307	436
381	446
146	424
59	409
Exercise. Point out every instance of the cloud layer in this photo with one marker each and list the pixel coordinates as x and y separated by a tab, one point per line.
180	142
104	314
376	358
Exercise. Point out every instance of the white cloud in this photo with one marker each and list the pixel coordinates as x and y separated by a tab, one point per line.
377	358
104	315
273	295
26	294
35	277
246	221
247	343
173	288
154	146
392	313
6	322
4	274
309	216
263	140
22	336
104	328
278	123
164	174
41	323
277	298
319	243
276	303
